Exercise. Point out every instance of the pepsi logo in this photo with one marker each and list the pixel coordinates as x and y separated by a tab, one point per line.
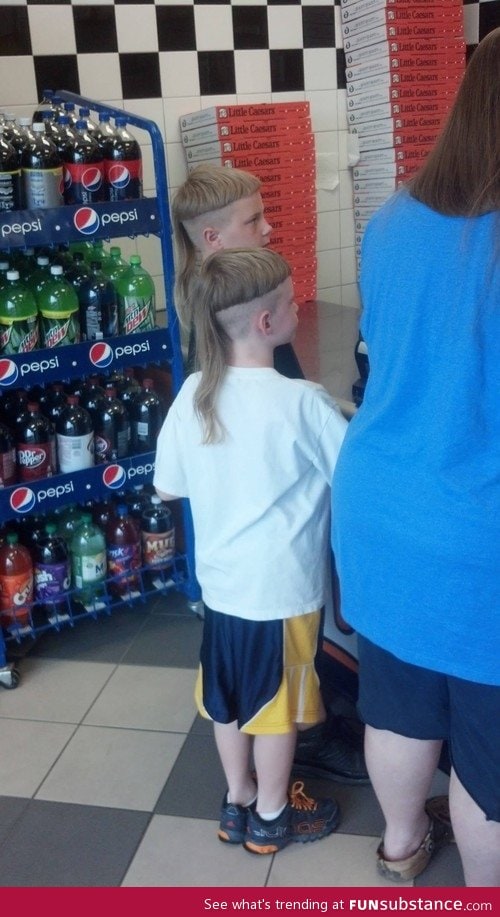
119	176
100	354
92	179
22	500
114	476
86	221
8	372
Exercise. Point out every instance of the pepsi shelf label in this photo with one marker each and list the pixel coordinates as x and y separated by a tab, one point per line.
83	359
73	222
96	482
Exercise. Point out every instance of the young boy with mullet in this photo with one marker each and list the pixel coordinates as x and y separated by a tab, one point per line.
214	209
254	452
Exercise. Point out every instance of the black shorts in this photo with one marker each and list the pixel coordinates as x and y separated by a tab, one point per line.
422	704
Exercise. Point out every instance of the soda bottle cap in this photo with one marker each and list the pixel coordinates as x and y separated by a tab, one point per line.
12	275
69	106
122	509
4	265
42	260
25	122
56	269
47	93
84	112
104	116
135	259
81	125
51	528
72	399
39	127
110	391
12	538
63	119
120	121
87	518
33	407
148	383
156	500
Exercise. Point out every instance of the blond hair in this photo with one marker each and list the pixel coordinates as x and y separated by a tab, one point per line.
237	279
207	190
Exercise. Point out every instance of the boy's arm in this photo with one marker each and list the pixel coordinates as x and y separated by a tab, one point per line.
164	496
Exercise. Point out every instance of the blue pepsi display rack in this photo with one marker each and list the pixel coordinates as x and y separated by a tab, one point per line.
25	228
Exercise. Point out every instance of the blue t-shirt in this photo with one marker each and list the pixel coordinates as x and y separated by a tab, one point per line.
416	491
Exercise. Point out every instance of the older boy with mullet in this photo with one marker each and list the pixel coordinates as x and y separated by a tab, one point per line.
254	453
214	209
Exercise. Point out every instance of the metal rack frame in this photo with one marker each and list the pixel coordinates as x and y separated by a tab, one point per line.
48	227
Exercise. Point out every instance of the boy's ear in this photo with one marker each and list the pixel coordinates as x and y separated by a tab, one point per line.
211	238
264	323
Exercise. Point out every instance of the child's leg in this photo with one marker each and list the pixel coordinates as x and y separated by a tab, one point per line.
234	749
273	757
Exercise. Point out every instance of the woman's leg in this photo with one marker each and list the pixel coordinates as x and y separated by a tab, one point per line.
478	840
401	772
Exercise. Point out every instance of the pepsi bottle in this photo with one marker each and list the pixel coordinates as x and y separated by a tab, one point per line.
44	105
83	168
146	418
123	164
64	136
98	305
75	437
112	429
104	129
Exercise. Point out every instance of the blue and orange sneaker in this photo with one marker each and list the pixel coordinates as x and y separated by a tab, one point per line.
233	822
302	820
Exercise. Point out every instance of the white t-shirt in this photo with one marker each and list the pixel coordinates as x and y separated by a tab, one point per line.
260	498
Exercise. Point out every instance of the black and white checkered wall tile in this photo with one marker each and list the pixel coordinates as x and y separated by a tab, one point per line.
128	37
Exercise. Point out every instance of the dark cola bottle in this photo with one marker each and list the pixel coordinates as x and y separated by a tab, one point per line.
53	401
123	164
130	388
83	168
8	474
44	105
104	130
112	429
75	437
10	175
41	171
35	445
98	305
91	396
77	273
157	535
146	418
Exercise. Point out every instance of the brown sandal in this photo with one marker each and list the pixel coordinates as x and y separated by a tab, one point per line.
440	833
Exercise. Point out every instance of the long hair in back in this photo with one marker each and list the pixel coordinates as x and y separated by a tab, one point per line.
208	188
233	277
461	175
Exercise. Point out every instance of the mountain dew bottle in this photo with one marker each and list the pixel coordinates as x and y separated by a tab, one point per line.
136	299
88	560
113	265
58	307
18	316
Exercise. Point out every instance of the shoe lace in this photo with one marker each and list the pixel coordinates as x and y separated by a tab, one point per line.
299	800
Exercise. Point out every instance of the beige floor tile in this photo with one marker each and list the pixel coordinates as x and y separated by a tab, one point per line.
60	691
29	749
186	852
146	697
120	768
341	860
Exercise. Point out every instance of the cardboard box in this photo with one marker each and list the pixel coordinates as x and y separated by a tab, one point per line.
217	113
423	17
442	44
352	9
428	124
446	63
229	149
247	128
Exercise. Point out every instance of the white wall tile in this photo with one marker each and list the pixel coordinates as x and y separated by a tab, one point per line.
329	274
320	68
328	230
285	26
323	110
214	28
136	28
17	86
50	35
179	73
253	71
98	72
173	109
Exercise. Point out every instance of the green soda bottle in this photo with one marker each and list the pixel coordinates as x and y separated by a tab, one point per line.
58	307
113	265
40	276
19	331
95	251
88	561
136	299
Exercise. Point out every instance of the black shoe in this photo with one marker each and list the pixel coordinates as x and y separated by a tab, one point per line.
332	750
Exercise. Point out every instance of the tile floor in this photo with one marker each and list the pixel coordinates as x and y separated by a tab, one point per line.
109	778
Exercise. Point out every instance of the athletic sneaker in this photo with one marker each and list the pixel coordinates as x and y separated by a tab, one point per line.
303	819
233	822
